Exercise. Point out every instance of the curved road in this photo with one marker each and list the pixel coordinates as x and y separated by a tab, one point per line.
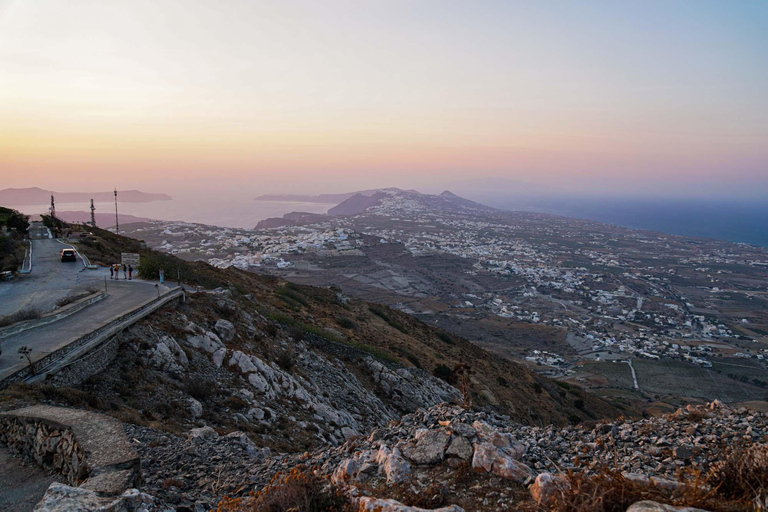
50	280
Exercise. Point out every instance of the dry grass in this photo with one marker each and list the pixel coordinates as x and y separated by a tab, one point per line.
738	483
742	476
19	316
64	301
298	491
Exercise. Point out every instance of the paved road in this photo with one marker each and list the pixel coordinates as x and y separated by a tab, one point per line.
22	484
50	280
123	296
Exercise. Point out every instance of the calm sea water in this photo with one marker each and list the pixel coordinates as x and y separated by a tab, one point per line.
213	210
735	221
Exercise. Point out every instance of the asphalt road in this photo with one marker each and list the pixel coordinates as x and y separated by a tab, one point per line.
50	280
22	484
123	296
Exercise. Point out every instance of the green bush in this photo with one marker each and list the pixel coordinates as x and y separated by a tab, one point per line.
346	322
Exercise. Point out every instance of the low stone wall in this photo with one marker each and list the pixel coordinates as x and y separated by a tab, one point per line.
54	316
52	447
91	450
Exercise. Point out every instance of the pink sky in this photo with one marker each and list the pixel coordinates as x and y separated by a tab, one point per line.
306	96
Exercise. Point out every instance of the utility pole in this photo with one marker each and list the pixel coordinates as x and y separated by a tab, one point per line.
93	215
117	223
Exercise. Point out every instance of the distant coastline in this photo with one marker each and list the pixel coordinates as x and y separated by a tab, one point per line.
34	195
741	221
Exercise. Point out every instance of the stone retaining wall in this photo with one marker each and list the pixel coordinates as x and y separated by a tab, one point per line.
91	450
52	447
90	364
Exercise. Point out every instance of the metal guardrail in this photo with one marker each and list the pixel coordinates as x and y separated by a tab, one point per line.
105	332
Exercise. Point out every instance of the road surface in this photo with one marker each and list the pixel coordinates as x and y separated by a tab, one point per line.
123	297
22	484
634	374
50	280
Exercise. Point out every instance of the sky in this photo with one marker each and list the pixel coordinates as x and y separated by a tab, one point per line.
645	97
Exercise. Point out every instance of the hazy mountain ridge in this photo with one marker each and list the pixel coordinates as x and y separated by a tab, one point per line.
35	195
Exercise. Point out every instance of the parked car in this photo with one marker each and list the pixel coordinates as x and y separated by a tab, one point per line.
68	255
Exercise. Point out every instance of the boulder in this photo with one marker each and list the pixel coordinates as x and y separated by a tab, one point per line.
427	447
498	461
218	356
368	504
201	435
195	408
63	498
225	329
652	506
394	466
346	472
208	342
547	487
460	447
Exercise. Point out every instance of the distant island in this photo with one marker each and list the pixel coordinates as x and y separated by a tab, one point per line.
103	220
322	198
35	195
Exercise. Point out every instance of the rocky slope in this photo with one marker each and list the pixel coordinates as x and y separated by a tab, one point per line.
447	456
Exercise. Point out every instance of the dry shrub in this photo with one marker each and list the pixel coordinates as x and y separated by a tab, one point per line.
741	475
607	491
299	491
737	483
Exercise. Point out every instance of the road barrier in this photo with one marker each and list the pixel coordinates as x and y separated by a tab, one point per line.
26	266
54	316
88	342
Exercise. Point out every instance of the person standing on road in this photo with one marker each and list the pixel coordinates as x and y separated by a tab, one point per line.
111	271
130	272
125	271
162	276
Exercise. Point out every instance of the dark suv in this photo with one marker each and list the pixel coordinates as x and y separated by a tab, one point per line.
68	255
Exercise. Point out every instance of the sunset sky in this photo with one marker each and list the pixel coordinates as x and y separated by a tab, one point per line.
645	96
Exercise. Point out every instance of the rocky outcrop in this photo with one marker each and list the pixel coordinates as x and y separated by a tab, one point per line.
652	506
367	504
410	388
64	498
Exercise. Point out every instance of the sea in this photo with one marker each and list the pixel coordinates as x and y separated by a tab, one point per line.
732	220
213	210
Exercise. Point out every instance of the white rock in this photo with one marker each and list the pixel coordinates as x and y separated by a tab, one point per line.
63	498
225	329
652	506
218	357
499	462
368	504
194	407
200	435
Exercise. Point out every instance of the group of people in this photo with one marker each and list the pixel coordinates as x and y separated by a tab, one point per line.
114	271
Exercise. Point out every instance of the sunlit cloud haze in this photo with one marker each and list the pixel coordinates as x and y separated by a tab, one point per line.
646	96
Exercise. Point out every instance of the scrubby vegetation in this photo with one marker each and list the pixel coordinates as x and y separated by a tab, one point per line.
298	491
12	249
19	316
